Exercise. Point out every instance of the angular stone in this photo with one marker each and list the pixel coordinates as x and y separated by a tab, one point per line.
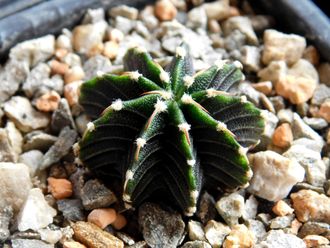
324	111
38	140
94	16
72	209
15	184
94	237
250	58
278	239
195	230
29	243
215	233
96	195
250	208
218	10
196	244
96	65
32	159
240	236
257	228
274	175
34	51
6	213
7	153
275	71
314	228
160	228
283	136
281	208
321	93
280	46
123	24
35	213
316	123
50	236
281	222
26	118
231	208
271	121
315	241
124	11
197	18
311	206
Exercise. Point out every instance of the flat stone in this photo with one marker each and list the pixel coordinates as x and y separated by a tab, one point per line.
6	213
215	233
278	239
34	51
274	175
311	206
29	243
280	46
15	184
123	24
321	94
250	208
94	237
197	18
231	208
38	140
62	116
124	11
96	64
240	236
35	213
195	230
7	153
314	228
316	123
61	147
257	228
19	110
160	228
196	244
250	58
72	209
32	159
281	222
96	195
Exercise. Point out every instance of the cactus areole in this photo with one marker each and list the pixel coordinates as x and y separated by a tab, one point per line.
168	131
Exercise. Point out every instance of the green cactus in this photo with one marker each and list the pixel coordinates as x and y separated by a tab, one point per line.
168	132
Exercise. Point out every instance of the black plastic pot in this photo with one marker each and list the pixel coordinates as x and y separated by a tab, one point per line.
22	20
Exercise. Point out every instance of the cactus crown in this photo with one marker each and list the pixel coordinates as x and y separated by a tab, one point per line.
169	131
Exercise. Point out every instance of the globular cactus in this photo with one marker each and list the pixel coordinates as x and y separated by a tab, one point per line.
168	132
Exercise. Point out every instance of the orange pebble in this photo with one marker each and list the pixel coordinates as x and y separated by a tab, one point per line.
59	188
120	222
281	208
48	102
73	244
102	217
58	67
283	136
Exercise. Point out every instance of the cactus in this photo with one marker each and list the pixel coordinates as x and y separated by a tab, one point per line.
168	132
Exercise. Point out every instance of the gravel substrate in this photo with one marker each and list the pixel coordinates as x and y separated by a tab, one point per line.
48	199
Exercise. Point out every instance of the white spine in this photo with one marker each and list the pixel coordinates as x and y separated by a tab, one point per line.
117	105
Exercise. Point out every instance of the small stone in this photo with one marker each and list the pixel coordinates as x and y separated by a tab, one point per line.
218	10
316	123
231	208
60	53
261	22
71	92
58	67
38	140
63	42
97	64
275	71
247	90
26	118
240	236
324	73
206	208
265	87
126	238
34	51
280	46
94	16
102	217
326	187
215	233
160	228
72	209
59	188
141	29
7	153
214	26
257	228
35	213
81	122
321	94
250	57
48	102
124	11
195	230
314	228
271	121
196	244
315	241
165	10
115	35
96	195
308	143
71	59
311	161
6	214
274	175
311	206
283	136
197	18
244	25
281	208
278	239
76	73
87	38
36	79
94	237
233	42
61	147
311	54
123	24
32	159
281	222
29	243
140	244
120	222
15	184
50	236
324	111
250	208
15	138
73	244
285	115
111	49
62	116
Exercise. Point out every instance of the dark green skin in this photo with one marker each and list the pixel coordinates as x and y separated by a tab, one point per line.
174	159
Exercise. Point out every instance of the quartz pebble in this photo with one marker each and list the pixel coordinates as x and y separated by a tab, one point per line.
32	159
197	18
165	10
48	102
283	136
26	118
281	222
35	213
274	71
97	65
196	244
60	188
15	138
311	206
279	239
250	58
111	49
231	208
15	184
257	228
215	233
315	241
281	208
240	236
50	236
280	46
274	175
71	92
38	140
102	217
94	237
264	87
250	208
29	243
195	230
321	94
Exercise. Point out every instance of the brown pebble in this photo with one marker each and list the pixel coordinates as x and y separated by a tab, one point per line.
324	111
311	54
265	87
102	217
94	237
71	92
328	137
165	10
73	244
111	49
58	67
59	188
76	73
281	208
312	241
120	222
283	136
48	102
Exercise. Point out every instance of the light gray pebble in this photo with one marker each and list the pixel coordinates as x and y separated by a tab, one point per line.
278	239
29	243
314	228
234	41
6	214
7	153
38	140
62	117
32	159
197	18
196	244
93	16
257	228
124	11
124	24
309	143
96	64
321	94
250	58
281	222
72	209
